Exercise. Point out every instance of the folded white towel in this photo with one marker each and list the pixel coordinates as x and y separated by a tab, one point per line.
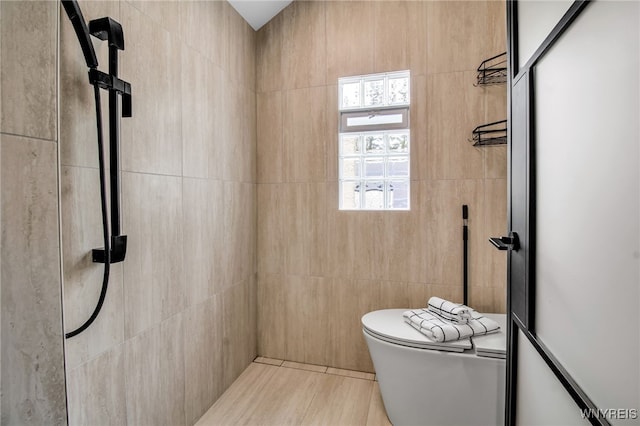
440	329
454	312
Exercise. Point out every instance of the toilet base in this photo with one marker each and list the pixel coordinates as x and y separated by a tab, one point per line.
428	387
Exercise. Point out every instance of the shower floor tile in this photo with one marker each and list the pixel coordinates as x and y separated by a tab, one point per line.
277	395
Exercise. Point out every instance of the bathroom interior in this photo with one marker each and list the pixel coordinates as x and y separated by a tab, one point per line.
245	282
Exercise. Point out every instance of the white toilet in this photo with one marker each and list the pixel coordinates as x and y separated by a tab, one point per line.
428	383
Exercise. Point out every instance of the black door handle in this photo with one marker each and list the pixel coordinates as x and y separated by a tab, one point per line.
512	242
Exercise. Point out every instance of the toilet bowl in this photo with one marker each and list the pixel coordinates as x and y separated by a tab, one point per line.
428	383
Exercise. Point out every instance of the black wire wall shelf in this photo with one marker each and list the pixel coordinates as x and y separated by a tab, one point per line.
490	134
493	71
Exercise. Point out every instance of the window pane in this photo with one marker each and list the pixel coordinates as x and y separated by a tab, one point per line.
350	195
399	91
351	95
351	168
351	144
374	119
398	143
398	194
374	195
374	141
374	144
374	167
398	166
374	93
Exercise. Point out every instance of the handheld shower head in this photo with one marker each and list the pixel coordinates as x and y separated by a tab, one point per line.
108	29
82	32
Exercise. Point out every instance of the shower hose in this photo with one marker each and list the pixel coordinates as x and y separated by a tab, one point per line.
105	226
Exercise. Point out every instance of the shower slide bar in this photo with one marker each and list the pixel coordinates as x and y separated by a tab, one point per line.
115	244
110	30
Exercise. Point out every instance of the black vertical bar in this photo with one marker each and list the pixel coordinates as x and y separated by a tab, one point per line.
512	342
114	133
465	262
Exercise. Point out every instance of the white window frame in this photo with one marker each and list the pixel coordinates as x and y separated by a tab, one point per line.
388	118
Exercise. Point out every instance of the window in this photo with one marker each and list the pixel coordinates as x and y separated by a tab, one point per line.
374	142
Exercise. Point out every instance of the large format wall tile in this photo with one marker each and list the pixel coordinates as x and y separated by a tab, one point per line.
204	248
219	116
78	134
249	137
81	233
239	232
406	241
401	295
96	390
304	56
153	271
350	299
271	315
454	110
215	215
204	27
197	126
458	37
241	49
155	375
238	149
152	137
188	161
164	13
271	230
495	98
269	75
203	357
240	329
342	235
331	139
307	308
28	73
420	121
352	21
443	211
32	353
269	137
305	224
404	257
198	240
305	135
391	36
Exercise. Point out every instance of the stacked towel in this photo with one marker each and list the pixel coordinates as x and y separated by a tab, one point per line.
454	312
433	324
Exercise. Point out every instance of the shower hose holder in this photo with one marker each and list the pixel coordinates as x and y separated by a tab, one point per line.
109	30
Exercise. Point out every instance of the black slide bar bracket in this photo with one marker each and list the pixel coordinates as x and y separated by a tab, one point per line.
111	31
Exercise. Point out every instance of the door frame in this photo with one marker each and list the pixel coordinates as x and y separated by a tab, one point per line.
521	305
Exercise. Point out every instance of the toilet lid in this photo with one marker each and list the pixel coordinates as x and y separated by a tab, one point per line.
493	345
389	325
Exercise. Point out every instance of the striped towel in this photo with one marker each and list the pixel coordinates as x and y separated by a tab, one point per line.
439	329
454	312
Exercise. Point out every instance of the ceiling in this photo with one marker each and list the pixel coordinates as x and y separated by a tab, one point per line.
258	12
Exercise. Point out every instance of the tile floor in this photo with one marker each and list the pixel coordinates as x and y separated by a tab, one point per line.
276	392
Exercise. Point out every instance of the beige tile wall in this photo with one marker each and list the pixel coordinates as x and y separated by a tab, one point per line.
178	326
320	269
179	321
31	349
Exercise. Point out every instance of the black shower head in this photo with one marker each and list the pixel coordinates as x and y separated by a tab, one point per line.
108	29
77	20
